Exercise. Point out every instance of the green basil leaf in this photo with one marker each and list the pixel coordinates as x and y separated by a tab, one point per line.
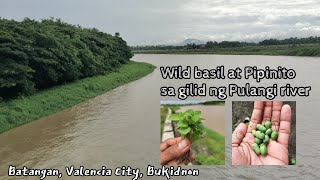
175	117
201	119
182	124
194	119
184	130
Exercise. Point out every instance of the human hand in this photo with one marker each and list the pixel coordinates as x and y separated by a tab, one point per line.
242	138
173	149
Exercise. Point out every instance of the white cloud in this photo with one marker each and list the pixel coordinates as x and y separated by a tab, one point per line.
251	20
268	19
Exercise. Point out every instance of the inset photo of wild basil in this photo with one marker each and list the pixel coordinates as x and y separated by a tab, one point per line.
192	133
264	133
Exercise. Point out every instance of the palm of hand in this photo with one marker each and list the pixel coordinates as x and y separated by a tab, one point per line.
277	153
242	138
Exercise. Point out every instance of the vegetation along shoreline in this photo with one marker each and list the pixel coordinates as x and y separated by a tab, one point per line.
50	65
22	110
309	46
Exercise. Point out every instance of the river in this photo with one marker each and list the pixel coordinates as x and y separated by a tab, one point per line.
121	127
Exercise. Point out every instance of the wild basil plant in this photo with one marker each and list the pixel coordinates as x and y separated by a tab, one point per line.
189	124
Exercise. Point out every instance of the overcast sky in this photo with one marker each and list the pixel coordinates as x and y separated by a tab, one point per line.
147	22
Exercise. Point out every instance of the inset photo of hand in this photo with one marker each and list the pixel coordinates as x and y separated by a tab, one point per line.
264	133
192	133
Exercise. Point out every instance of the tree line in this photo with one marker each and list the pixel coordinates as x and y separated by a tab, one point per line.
36	55
231	44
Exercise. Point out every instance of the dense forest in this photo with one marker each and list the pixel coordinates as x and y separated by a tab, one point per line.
35	55
233	44
309	46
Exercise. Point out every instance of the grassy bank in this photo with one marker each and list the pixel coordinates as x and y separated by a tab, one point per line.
22	110
214	103
210	150
276	50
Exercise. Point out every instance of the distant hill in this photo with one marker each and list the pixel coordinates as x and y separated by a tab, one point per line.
191	41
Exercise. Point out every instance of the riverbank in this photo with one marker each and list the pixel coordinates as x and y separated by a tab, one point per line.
22	110
273	50
210	150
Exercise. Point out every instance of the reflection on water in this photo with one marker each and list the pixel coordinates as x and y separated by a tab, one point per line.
121	127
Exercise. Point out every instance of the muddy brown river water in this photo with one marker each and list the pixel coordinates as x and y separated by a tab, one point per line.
121	127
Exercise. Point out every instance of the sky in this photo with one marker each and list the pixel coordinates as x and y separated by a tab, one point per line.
151	22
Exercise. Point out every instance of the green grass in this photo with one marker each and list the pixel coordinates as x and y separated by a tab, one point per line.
210	150
22	110
214	103
275	50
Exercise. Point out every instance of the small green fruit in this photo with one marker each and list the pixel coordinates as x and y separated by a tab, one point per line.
266	139
254	132
257	140
267	124
269	131
261	128
263	149
274	135
293	161
260	135
255	148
